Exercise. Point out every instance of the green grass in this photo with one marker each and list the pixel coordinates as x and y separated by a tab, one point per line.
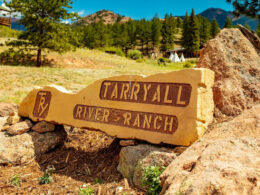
18	81
7	32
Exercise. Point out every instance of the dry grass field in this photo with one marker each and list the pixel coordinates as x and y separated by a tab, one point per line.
72	70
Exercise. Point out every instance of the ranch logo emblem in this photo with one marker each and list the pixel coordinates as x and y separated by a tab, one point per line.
42	104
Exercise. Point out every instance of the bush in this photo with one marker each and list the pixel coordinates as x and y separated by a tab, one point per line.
8	32
140	60
134	54
188	65
151	179
113	50
47	177
16	180
86	190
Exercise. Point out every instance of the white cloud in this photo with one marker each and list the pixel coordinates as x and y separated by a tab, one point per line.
81	13
65	22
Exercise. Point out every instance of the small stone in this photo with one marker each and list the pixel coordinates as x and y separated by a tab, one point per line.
20	128
3	121
6	109
125	143
4	128
13	119
43	126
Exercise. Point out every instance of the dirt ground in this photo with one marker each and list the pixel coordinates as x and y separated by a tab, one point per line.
87	157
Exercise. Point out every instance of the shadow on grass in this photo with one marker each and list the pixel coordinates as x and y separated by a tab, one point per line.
29	61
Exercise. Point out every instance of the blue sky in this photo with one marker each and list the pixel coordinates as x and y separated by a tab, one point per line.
138	9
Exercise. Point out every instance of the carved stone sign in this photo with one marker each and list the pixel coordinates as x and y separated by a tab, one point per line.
173	108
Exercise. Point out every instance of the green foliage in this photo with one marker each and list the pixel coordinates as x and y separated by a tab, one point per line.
250	8
100	181
193	34
188	65
228	23
205	29
168	33
214	28
151	179
185	31
16	180
85	190
134	54
8	32
47	177
42	20
113	50
140	60
156	31
258	29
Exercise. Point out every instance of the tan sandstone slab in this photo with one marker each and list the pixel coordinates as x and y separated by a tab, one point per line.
173	108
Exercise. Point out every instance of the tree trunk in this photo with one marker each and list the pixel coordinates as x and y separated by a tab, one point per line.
39	58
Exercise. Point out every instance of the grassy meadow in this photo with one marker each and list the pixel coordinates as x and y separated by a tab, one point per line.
73	70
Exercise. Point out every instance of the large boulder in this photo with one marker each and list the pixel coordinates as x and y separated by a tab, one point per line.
236	64
21	149
225	161
134	159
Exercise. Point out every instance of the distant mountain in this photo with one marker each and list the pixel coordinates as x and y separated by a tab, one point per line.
107	16
221	16
16	25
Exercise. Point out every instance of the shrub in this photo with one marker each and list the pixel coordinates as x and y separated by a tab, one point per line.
188	65
47	177
113	50
16	180
86	190
134	54
140	60
151	179
7	32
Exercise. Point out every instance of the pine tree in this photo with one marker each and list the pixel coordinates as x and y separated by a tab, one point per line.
156	31
228	23
205	29
258	29
168	33
214	28
185	31
42	20
193	38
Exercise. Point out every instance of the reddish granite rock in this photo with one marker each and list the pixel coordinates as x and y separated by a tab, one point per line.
236	64
224	161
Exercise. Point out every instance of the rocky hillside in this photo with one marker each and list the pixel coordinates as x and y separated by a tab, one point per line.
107	16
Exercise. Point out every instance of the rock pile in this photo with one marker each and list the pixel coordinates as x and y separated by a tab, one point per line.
236	64
134	159
22	140
227	159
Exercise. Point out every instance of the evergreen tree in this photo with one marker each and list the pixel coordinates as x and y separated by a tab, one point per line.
228	23
42	20
193	37
205	29
168	33
214	28
258	29
250	8
156	31
185	31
